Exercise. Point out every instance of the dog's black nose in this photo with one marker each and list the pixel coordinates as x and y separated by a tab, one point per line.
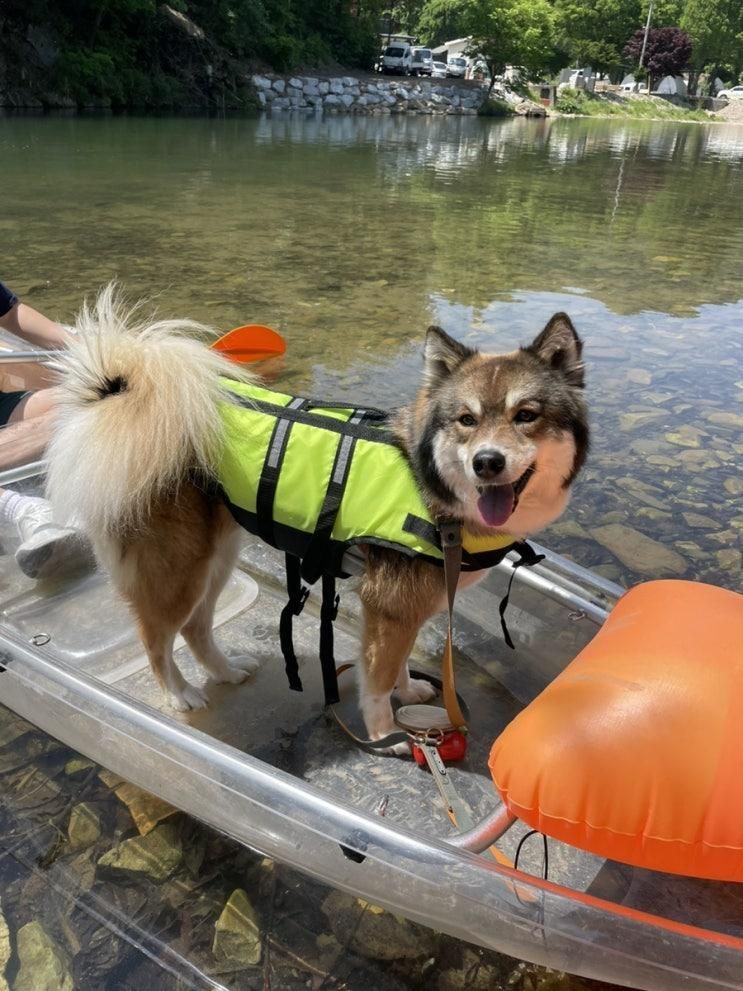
488	463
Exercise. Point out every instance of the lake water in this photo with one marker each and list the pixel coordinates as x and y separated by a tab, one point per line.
351	235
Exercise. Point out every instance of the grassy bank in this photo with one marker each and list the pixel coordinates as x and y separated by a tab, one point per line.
575	102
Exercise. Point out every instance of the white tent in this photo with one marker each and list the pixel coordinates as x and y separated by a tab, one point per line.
672	86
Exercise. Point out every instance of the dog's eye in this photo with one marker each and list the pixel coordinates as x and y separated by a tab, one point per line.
467	420
526	416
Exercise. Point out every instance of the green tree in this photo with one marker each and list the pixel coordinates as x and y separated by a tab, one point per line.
716	31
503	32
594	32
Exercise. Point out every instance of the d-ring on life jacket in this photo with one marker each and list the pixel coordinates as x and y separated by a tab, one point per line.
314	479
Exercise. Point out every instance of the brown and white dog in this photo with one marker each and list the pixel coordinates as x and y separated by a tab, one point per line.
494	440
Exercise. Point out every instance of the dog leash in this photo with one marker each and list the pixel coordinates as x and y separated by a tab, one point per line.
398	736
451	545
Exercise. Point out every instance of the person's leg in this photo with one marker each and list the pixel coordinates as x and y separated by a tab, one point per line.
47	550
25	426
33	405
24	441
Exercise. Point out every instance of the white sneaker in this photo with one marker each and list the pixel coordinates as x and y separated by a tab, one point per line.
48	549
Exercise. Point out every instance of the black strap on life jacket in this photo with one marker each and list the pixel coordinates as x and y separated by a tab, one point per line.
328	613
297	597
270	472
529	557
316	560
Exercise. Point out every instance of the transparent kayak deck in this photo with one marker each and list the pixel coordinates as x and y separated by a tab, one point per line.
266	766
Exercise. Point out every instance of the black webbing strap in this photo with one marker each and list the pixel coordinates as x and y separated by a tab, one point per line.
270	473
297	597
328	612
315	561
362	428
529	557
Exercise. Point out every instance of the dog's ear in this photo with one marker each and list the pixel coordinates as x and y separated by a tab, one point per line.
442	355
560	347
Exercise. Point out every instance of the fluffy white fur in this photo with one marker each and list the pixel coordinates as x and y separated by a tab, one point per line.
163	368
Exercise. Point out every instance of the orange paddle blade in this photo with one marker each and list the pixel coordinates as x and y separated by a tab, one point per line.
252	342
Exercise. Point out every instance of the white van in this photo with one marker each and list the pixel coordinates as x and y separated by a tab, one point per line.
422	62
397	58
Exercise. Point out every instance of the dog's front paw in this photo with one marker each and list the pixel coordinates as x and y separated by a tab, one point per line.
417	690
401	749
188	697
237	670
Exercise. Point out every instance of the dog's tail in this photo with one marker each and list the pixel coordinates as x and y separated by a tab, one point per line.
138	413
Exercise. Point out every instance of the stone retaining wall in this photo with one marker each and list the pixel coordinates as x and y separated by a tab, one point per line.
347	94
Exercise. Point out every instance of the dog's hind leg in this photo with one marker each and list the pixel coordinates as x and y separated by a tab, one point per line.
197	632
386	646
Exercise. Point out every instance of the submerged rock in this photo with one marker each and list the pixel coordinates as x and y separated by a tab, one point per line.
237	933
4	951
685	437
146	810
723	419
44	966
733	486
157	854
633	421
729	558
640	376
699	522
639	552
84	827
374	933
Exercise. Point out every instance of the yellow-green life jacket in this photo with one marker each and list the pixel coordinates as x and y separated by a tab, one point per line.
314	479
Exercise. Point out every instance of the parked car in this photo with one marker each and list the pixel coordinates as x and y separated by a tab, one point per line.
456	67
734	93
397	59
439	70
422	62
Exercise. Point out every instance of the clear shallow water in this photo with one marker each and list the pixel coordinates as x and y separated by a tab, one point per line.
351	235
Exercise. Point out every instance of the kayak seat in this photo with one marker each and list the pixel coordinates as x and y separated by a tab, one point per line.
635	751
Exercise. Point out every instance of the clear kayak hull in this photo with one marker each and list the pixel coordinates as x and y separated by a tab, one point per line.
265	766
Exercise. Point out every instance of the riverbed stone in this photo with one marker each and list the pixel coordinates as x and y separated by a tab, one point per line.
721	418
638	551
729	558
84	827
373	932
5	951
733	486
157	854
44	966
237	932
697	521
639	376
685	436
634	421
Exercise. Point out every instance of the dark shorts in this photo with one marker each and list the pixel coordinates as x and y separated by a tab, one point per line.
8	402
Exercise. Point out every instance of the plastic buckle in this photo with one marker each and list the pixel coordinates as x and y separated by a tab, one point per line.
298	606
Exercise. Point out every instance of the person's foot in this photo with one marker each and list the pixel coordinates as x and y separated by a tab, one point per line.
49	550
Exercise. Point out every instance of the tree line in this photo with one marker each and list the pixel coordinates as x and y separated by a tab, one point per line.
144	52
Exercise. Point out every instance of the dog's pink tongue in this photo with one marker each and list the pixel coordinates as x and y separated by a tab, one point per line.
496	504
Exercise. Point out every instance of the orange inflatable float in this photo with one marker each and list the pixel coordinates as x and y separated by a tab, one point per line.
635	751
